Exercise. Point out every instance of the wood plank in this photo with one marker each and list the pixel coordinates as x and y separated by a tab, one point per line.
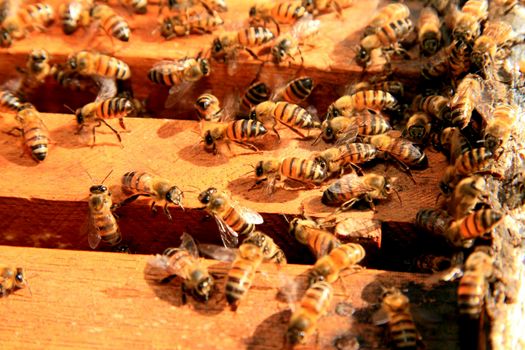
51	196
103	300
330	62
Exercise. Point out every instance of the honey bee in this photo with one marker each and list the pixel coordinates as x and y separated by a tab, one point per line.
435	221
418	127
311	233
73	14
473	285
376	100
350	189
499	127
316	7
395	311
215	5
20	21
93	63
386	15
284	12
193	22
179	75
475	160
336	159
208	107
185	263
96	113
468	24
454	143
256	93
10	102
462	232
441	6
232	219
344	129
429	31
238	131
468	193
32	128
435	105
394	87
305	171
288	45
112	23
451	60
312	307
463	103
72	80
297	90
11	279
102	225
138	6
226	47
158	189
271	251
34	74
328	268
288	114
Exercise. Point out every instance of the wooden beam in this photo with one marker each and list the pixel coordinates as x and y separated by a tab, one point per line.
101	300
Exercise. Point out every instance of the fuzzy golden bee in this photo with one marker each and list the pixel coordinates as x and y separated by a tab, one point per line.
337	159
74	14
429	31
288	44
190	22
385	15
183	262
452	60
112	23
435	105
232	219
209	108
473	161
376	100
284	12
272	253
345	128
499	127
10	102
468	193
435	221
473	286
463	103
296	90
329	267
350	189
316	7
11	279
34	74
93	63
468	24
312	234
312	306
240	132
34	132
20	21
418	127
462	232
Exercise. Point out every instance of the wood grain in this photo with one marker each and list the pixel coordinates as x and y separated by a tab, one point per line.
103	300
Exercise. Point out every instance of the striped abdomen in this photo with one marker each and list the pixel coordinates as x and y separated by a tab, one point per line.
473	161
114	108
321	242
111	22
234	219
403	330
478	223
298	90
35	133
37	15
70	15
459	58
255	94
394	31
288	12
137	182
304	170
240	279
293	115
111	67
204	22
407	153
180	261
340	258
342	190
9	102
254	36
356	153
373	99
435	221
471	293
435	105
370	123
317	298
106	224
168	74
245	130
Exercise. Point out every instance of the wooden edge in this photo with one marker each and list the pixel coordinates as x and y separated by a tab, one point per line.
101	300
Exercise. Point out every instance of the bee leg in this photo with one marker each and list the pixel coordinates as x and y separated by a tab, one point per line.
253	54
405	169
275	131
121	123
167	212
276	26
347	205
112	129
153	208
295	131
247	145
370	202
16	131
184	292
127	201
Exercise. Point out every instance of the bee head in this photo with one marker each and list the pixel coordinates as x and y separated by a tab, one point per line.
309	5
416	132
203	104
166	29
217	46
278	52
174	195
80	116
253	114
20	280
332	112
39	56
362	56
253	11
205	66
259	169
328	131
205	196
72	63
5	38
204	287
296	332
98	189
209	140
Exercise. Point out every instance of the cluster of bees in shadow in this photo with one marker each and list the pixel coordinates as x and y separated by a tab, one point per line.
467	109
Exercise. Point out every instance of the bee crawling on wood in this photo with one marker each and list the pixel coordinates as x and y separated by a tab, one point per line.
313	234
240	132
74	14
19	21
33	130
329	267
11	279
113	24
288	44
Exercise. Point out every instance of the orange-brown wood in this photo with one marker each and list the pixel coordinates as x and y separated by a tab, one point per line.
100	300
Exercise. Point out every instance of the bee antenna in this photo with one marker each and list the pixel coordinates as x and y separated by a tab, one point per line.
438	196
317	138
398	196
69	108
286	218
106	176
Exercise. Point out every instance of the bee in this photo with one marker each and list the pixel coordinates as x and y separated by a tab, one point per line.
388	35
93	63
462	232
350	189
504	7
238	131
208	107
468	193
10	102
499	127
468	24
305	171
72	80
441	6
284	12
285	113
102	225
185	263
464	102
418	127
311	233
451	60
328	268
138	6
475	160
20	22
34	74
242	273
113	24
429	31
288	45
344	129
435	105
32	128
376	100
394	87
395	310
106	108
139	183
271	251
473	286
226	47
215	5
297	90
435	221
11	279
454	143
73	14
336	159
232	219
256	93
191	22
179	75
385	15
312	307
316	7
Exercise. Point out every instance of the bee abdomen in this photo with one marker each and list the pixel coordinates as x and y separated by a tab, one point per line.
9	101
288	12
245	129
236	222
471	293
472	161
435	221
256	93
254	36
238	281
37	141
114	108
298	90
479	222
403	331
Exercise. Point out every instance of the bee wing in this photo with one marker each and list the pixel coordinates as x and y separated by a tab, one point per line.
305	27
176	93
348	135
188	243
249	215
228	235
107	87
380	317
230	107
157	267
178	65
93	233
355	182
217	252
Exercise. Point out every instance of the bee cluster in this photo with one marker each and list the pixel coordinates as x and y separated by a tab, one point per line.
468	108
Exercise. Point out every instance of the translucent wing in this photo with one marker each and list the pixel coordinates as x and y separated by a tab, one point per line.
348	135
75	8
353	182
217	252
178	65
188	243
249	215
176	93
93	232
157	267
305	27
380	317
228	235
107	87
